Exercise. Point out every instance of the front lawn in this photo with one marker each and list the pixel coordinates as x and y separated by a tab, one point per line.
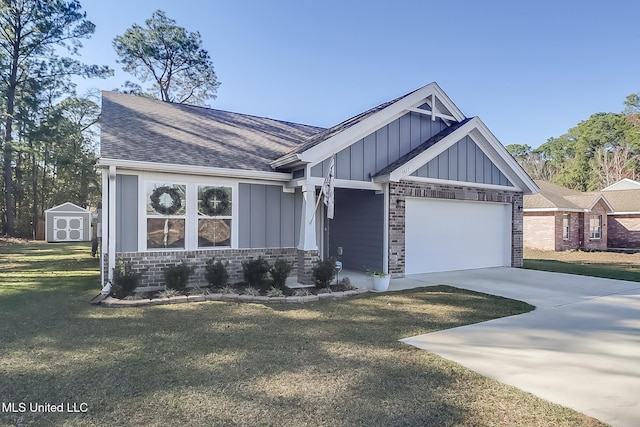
336	363
610	265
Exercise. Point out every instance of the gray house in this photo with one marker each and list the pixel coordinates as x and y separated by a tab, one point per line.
419	187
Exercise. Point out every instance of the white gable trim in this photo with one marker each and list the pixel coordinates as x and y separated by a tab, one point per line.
489	145
79	211
623	184
376	121
604	199
460	183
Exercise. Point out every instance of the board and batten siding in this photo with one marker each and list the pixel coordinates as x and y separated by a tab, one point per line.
358	227
266	217
126	213
367	156
463	161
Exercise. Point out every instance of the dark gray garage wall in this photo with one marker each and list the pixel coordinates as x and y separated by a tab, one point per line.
126	213
358	226
266	217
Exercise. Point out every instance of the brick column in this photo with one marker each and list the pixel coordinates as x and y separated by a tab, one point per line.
306	261
517	239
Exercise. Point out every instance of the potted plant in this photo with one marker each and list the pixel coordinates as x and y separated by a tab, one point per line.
380	280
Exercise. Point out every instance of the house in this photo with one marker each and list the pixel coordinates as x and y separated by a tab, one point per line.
624	220
419	187
558	218
67	223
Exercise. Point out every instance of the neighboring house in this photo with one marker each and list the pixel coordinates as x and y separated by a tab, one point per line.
558	218
419	187
67	223
624	220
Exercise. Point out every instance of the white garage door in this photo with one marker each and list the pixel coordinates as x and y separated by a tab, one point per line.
446	235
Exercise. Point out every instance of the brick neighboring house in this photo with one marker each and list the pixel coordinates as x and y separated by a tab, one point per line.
624	220
558	218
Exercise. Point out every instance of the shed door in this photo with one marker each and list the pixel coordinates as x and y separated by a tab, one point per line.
447	235
67	228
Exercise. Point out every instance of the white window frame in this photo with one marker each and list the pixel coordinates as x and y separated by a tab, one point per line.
191	214
148	216
595	233
199	217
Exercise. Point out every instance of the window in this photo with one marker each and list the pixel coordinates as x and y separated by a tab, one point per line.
595	227
214	216
566	226
166	215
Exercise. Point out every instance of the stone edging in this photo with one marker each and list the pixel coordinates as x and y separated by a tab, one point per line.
114	302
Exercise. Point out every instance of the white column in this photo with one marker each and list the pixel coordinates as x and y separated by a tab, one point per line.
307	240
111	252
104	227
385	240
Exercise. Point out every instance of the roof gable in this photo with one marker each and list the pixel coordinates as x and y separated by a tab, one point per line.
557	198
429	100
67	207
623	184
500	167
136	128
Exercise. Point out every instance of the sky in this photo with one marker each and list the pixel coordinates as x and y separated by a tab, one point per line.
530	70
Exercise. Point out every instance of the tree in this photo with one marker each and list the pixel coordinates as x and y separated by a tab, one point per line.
169	56
31	34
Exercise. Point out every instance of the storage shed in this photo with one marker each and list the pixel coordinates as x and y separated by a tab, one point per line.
68	223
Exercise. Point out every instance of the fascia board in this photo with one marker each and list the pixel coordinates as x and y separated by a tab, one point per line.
553	210
529	184
194	170
376	121
53	209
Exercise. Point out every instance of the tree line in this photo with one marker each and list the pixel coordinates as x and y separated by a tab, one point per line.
48	134
594	154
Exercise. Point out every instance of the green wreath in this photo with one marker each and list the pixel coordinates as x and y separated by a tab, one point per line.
215	202
162	209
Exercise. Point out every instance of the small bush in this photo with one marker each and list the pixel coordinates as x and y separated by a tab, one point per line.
254	271
302	292
177	276
252	291
275	292
279	272
125	280
228	289
168	293
324	272
216	273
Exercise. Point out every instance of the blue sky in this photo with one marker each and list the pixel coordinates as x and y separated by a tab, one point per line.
530	70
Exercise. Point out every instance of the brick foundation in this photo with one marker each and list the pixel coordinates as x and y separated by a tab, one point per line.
151	265
399	191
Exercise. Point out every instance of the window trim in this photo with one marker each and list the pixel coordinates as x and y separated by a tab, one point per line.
191	214
148	216
597	230
200	216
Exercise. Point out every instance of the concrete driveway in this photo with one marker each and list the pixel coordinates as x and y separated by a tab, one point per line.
579	348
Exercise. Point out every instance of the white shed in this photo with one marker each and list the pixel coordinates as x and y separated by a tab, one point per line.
68	223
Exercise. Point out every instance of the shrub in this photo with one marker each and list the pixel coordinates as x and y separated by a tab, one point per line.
279	272
177	276
275	292
252	291
324	272
216	273
255	270
125	280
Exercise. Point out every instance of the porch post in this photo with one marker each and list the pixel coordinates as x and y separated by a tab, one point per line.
307	245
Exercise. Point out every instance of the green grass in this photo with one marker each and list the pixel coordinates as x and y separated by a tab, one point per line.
609	265
336	363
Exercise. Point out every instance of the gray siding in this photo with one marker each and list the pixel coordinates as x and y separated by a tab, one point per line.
126	213
266	217
358	227
377	150
463	161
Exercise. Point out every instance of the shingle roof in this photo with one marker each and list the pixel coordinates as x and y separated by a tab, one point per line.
334	130
553	196
623	200
144	129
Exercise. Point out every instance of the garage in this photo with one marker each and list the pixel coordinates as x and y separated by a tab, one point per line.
447	235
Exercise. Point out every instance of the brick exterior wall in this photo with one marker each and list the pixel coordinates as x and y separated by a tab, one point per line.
399	191
306	260
539	230
623	231
544	230
151	265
